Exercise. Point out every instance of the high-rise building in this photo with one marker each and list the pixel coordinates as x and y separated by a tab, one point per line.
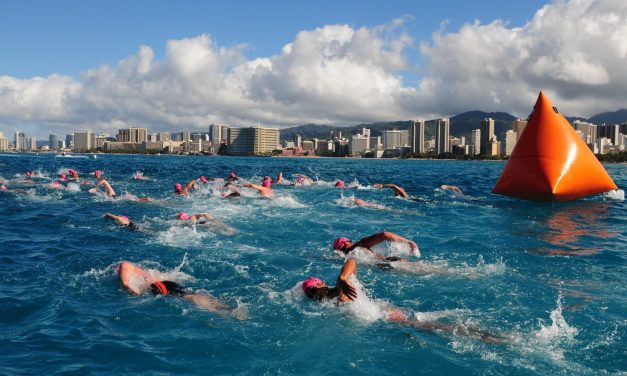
153	137
588	132
325	147
365	132
336	135
391	139
519	126
218	133
475	142
4	142
417	136
69	141
442	135
32	143
609	131
297	141
487	132
165	137
53	141
186	136
133	135
358	144
84	141
309	145
253	140
509	142
21	143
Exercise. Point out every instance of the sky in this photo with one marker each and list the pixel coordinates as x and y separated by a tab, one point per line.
169	66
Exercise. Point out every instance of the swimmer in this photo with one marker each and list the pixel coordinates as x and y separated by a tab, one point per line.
108	189
200	218
184	191
206	219
279	178
140	176
344	291
122	220
345	245
232	176
455	190
136	281
398	191
231	191
97	174
63	177
55	185
339	184
264	191
203	179
74	174
266	182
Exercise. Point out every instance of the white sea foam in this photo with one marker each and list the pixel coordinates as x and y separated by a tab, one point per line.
182	236
73	187
617	194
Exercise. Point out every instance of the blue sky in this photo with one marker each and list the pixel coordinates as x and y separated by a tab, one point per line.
40	38
168	66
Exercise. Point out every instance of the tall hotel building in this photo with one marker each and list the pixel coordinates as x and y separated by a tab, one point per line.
487	132
4	142
252	141
218	133
475	141
442	136
519	127
133	135
417	136
21	143
84	141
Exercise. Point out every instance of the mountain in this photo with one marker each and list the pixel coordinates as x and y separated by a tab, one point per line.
617	117
461	125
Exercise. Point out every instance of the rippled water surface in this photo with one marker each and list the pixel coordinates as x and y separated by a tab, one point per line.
549	279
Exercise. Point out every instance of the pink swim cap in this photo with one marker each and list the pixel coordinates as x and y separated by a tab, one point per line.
339	243
266	184
339	184
97	173
178	187
232	174
310	282
183	216
203	179
62	176
56	184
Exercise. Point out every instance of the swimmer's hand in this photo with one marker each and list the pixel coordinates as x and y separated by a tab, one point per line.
414	248
346	288
92	190
378	186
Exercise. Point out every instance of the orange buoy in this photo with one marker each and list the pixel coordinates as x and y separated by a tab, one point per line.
551	162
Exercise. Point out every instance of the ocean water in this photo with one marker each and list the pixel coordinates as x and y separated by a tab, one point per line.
548	279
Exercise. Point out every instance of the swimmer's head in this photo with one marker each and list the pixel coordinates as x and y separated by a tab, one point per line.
315	288
62	177
339	184
97	174
203	180
56	184
341	244
183	216
266	182
28	173
178	187
232	174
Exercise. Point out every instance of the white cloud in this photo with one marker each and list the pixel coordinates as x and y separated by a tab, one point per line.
338	74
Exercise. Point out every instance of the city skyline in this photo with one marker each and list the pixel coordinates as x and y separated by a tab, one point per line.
361	63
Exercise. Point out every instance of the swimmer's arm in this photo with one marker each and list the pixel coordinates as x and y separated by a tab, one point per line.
345	290
372	240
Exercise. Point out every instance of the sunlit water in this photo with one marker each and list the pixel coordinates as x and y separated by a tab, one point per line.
549	278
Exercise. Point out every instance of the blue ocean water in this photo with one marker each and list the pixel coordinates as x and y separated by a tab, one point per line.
549	278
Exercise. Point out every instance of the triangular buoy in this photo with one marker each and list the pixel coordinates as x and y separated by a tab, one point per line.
551	162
